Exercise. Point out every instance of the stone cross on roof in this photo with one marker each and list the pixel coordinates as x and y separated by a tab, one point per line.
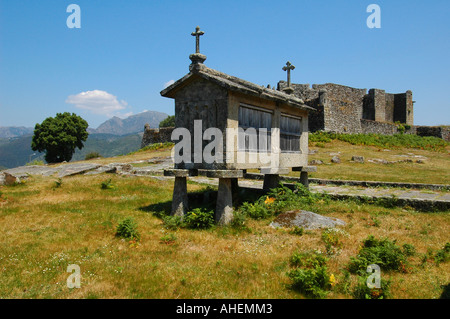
288	68
197	35
197	58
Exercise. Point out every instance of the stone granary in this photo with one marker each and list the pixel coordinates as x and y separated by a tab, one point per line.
254	128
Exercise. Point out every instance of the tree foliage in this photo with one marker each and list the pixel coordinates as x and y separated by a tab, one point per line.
168	122
59	136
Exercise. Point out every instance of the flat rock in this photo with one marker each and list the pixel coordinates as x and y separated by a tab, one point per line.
74	169
32	170
305	219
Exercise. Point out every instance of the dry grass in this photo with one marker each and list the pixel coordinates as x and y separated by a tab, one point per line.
434	170
43	229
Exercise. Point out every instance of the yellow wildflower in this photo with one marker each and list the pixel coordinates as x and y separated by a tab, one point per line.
332	280
269	200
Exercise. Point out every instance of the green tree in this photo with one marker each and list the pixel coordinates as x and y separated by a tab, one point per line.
168	122
59	136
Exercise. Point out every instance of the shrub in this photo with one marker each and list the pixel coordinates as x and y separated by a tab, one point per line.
168	239
362	291
307	259
239	220
199	219
92	155
383	252
385	141
332	242
255	210
310	277
409	250
297	231
58	183
442	255
107	184
127	229
173	222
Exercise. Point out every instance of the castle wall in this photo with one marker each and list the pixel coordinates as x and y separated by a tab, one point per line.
156	135
340	108
374	127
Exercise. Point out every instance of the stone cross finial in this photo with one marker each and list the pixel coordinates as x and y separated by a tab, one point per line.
288	68
197	35
197	58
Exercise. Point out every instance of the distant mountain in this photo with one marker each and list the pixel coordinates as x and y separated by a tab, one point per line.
114	137
17	151
132	124
13	131
108	145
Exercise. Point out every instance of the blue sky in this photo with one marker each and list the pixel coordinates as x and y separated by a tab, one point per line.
126	51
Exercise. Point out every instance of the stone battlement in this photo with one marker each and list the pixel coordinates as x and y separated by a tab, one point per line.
341	108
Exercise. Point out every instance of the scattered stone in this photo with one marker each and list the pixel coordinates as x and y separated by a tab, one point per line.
420	161
378	161
382	161
315	162
10	179
122	168
305	219
2	178
335	159
312	152
358	159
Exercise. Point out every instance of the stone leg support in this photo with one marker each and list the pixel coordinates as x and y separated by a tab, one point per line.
234	187
180	197
304	179
224	205
304	170
271	181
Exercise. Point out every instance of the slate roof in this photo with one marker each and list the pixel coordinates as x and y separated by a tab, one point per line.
234	84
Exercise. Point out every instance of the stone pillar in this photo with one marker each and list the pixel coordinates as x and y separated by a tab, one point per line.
224	205
409	108
234	187
271	181
180	197
304	179
380	105
304	170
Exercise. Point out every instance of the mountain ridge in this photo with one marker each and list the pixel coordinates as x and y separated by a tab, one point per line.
113	137
115	125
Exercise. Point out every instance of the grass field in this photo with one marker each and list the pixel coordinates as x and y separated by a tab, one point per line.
47	224
45	227
435	168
